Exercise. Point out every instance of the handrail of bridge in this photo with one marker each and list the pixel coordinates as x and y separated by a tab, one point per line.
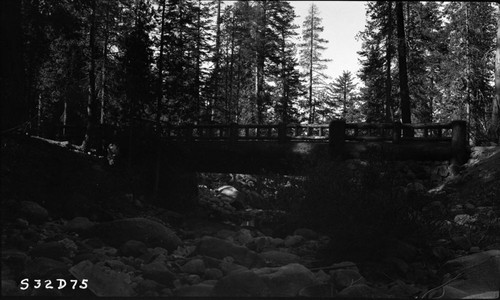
300	132
308	132
392	131
336	133
258	132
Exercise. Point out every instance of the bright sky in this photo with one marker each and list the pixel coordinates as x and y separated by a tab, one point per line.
341	20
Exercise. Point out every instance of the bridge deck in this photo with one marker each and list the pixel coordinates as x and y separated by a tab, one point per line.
292	148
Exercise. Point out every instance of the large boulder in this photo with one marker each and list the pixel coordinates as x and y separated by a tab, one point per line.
152	233
197	290
293	240
194	266
474	276
79	225
41	267
362	291
279	258
229	193
133	248
344	278
159	272
102	281
286	281
241	284
307	233
33	212
220	249
53	249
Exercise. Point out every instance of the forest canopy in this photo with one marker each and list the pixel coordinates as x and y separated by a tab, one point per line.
106	62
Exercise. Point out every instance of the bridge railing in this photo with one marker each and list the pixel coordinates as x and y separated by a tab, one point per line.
311	132
236	132
336	134
393	132
454	132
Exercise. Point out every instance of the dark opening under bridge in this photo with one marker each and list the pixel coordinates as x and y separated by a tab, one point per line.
290	149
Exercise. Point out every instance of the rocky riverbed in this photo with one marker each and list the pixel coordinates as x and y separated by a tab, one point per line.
234	246
146	257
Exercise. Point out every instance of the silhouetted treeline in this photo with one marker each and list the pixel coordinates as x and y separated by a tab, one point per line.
85	63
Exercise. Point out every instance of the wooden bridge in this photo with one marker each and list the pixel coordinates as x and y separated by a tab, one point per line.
290	149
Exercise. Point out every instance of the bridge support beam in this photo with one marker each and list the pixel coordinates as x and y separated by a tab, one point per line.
282	133
459	142
337	138
396	132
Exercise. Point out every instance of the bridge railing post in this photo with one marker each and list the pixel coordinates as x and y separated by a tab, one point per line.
396	132
233	132
458	142
282	132
337	138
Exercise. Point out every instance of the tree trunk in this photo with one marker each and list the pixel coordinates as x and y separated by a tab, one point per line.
495	113
231	75
468	69
238	90
344	113
91	132
284	96
39	115
311	110
198	64
159	97
103	71
259	76
64	117
388	58
403	72
211	110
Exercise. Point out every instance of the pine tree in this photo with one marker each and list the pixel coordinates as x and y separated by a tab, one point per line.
343	86
90	140
425	41
403	73
137	61
310	58
373	54
281	66
494	129
468	68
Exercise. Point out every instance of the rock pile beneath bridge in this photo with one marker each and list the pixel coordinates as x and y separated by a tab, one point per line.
207	259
